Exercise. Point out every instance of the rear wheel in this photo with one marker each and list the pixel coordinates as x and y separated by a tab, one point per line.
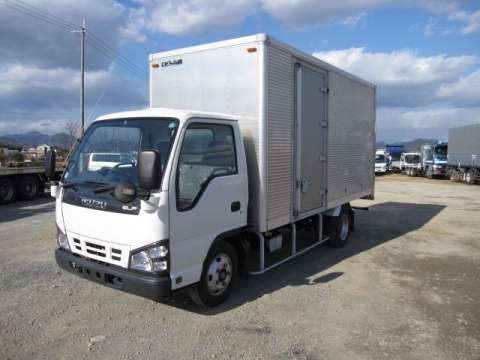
7	191
28	187
338	227
469	177
218	276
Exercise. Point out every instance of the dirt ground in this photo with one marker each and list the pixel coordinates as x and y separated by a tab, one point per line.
407	286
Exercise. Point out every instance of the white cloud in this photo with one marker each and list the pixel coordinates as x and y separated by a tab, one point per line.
353	21
430	27
403	124
465	91
403	77
300	14
470	19
180	17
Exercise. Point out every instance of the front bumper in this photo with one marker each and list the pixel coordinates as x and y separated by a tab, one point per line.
440	171
154	287
380	171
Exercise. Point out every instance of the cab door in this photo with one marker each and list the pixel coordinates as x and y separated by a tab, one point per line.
207	194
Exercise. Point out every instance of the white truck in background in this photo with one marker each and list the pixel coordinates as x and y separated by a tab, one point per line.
261	171
411	163
382	162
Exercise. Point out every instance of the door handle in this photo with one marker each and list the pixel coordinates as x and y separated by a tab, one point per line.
235	206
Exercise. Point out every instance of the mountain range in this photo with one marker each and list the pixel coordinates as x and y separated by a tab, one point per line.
34	138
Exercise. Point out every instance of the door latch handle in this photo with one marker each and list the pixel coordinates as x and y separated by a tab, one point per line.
235	206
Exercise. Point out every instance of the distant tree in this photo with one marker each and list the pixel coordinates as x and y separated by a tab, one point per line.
72	128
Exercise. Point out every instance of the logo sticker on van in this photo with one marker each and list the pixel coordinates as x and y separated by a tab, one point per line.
172	62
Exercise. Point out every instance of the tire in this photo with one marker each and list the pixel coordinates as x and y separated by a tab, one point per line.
28	187
7	191
429	173
218	276
339	227
409	172
469	177
413	172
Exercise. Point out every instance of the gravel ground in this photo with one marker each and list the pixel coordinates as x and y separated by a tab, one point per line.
405	287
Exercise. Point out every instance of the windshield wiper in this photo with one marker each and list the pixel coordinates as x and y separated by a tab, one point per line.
104	189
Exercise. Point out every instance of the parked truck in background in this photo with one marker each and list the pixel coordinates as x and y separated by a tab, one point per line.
382	162
23	182
395	151
434	160
463	160
261	171
411	163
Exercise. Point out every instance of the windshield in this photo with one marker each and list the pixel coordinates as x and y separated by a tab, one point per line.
395	156
412	159
108	153
379	158
440	152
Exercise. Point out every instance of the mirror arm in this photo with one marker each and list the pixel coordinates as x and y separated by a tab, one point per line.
144	194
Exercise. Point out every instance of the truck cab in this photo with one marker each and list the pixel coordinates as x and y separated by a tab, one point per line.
410	163
382	162
152	238
434	160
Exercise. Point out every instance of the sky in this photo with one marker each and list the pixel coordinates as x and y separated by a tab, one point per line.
424	55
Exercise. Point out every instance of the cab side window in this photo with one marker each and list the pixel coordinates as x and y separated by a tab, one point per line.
208	151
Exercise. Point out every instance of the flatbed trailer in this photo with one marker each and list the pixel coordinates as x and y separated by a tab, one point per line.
24	183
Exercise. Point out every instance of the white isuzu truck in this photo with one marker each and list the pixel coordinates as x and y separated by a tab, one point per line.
261	170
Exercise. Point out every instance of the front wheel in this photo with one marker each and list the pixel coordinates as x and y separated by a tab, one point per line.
218	276
469	177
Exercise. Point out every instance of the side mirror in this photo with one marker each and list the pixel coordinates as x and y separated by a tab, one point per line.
149	171
50	165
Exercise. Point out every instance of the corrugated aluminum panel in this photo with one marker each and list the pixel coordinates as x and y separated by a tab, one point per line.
351	138
464	146
279	137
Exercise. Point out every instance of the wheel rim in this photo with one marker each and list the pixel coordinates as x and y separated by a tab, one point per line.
468	177
344	227
219	274
6	192
30	189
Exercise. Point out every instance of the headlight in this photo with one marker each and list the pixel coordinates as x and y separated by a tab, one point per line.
62	240
437	166
152	259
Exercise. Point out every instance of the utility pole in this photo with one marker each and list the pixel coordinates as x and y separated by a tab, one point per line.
82	77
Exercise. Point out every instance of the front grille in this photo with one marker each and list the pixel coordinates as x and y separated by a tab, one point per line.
100	250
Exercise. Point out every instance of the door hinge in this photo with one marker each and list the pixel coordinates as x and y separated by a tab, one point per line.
324	123
325	90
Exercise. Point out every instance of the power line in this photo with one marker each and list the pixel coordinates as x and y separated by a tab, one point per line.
116	52
120	62
40	14
93	40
